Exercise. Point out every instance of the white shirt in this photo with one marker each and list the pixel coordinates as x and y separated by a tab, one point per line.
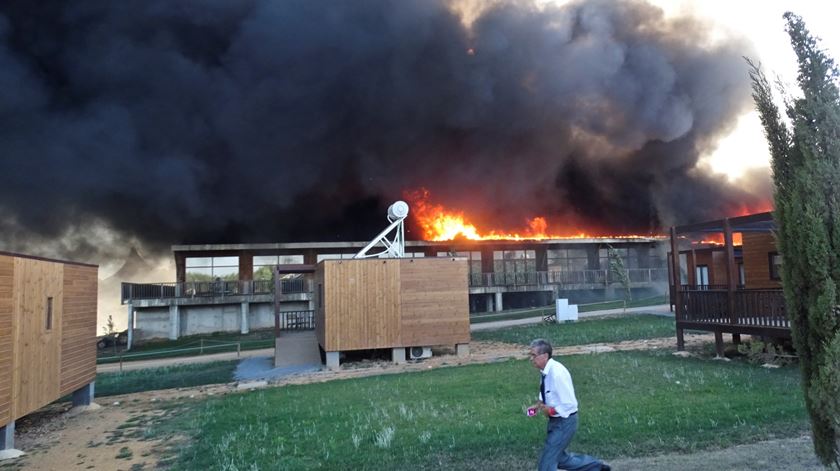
559	391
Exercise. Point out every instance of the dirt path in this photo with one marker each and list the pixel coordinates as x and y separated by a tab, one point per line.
112	437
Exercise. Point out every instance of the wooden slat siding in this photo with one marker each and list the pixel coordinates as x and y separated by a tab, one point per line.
6	338
37	351
717	270
362	304
434	301
78	346
756	249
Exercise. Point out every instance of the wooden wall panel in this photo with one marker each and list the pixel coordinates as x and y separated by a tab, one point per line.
6	340
434	301
78	340
362	304
756	250
37	350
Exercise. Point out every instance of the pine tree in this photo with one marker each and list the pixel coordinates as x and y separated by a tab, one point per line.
806	176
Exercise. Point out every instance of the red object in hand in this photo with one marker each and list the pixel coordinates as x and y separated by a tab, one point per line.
531	412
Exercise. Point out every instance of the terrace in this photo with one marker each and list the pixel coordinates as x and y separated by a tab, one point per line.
750	301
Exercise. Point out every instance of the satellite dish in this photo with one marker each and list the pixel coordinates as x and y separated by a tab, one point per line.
395	248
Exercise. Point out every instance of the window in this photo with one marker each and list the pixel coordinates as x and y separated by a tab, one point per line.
775	265
567	259
741	275
701	279
49	319
473	257
210	268
335	256
264	264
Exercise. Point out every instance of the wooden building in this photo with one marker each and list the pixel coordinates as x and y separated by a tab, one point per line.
728	289
47	335
391	303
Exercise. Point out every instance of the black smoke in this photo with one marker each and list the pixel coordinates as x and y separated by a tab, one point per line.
166	121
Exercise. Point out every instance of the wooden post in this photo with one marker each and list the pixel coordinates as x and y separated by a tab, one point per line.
277	289
675	269
731	279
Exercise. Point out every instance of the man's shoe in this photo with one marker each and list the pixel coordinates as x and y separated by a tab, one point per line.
605	467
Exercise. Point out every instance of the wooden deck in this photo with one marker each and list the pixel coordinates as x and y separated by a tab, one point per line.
754	312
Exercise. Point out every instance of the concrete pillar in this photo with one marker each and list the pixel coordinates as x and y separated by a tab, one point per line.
174	322
462	349
7	436
84	395
130	336
499	306
244	326
398	355
489	299
333	361
276	351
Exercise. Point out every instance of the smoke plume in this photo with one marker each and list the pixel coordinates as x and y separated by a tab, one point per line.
157	122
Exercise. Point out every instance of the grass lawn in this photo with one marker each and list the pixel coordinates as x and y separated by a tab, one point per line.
471	417
478	318
611	329
192	345
178	376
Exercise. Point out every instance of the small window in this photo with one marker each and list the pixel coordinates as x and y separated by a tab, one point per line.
775	265
49	320
701	276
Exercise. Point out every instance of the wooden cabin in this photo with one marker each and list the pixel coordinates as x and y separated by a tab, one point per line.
728	289
391	303
47	335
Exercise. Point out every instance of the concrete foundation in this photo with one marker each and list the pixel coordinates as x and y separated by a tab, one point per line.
462	349
161	322
7	436
398	355
333	362
84	395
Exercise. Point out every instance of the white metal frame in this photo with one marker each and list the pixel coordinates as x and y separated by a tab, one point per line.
394	248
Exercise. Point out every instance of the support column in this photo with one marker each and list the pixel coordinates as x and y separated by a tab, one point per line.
675	269
499	306
174	322
398	355
130	339
7	436
333	360
489	299
84	395
244	326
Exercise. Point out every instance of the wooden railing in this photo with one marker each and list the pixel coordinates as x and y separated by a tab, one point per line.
214	289
752	307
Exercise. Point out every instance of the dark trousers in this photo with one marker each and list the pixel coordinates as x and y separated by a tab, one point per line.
554	454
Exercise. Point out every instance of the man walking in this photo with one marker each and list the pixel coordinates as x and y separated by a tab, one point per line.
558	403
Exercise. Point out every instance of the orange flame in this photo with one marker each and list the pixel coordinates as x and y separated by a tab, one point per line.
439	223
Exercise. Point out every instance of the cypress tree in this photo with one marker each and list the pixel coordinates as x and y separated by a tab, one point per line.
806	176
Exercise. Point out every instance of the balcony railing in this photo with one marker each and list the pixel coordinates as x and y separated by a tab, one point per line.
577	277
210	289
752	307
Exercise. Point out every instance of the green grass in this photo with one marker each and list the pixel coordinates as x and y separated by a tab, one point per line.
192	345
471	417
478	318
178	376
610	329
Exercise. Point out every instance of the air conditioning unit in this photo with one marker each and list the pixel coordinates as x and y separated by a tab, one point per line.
416	353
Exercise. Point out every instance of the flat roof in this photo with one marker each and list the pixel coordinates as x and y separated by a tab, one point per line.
45	259
415	243
759	222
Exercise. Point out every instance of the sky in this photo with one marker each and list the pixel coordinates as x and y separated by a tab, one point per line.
761	22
